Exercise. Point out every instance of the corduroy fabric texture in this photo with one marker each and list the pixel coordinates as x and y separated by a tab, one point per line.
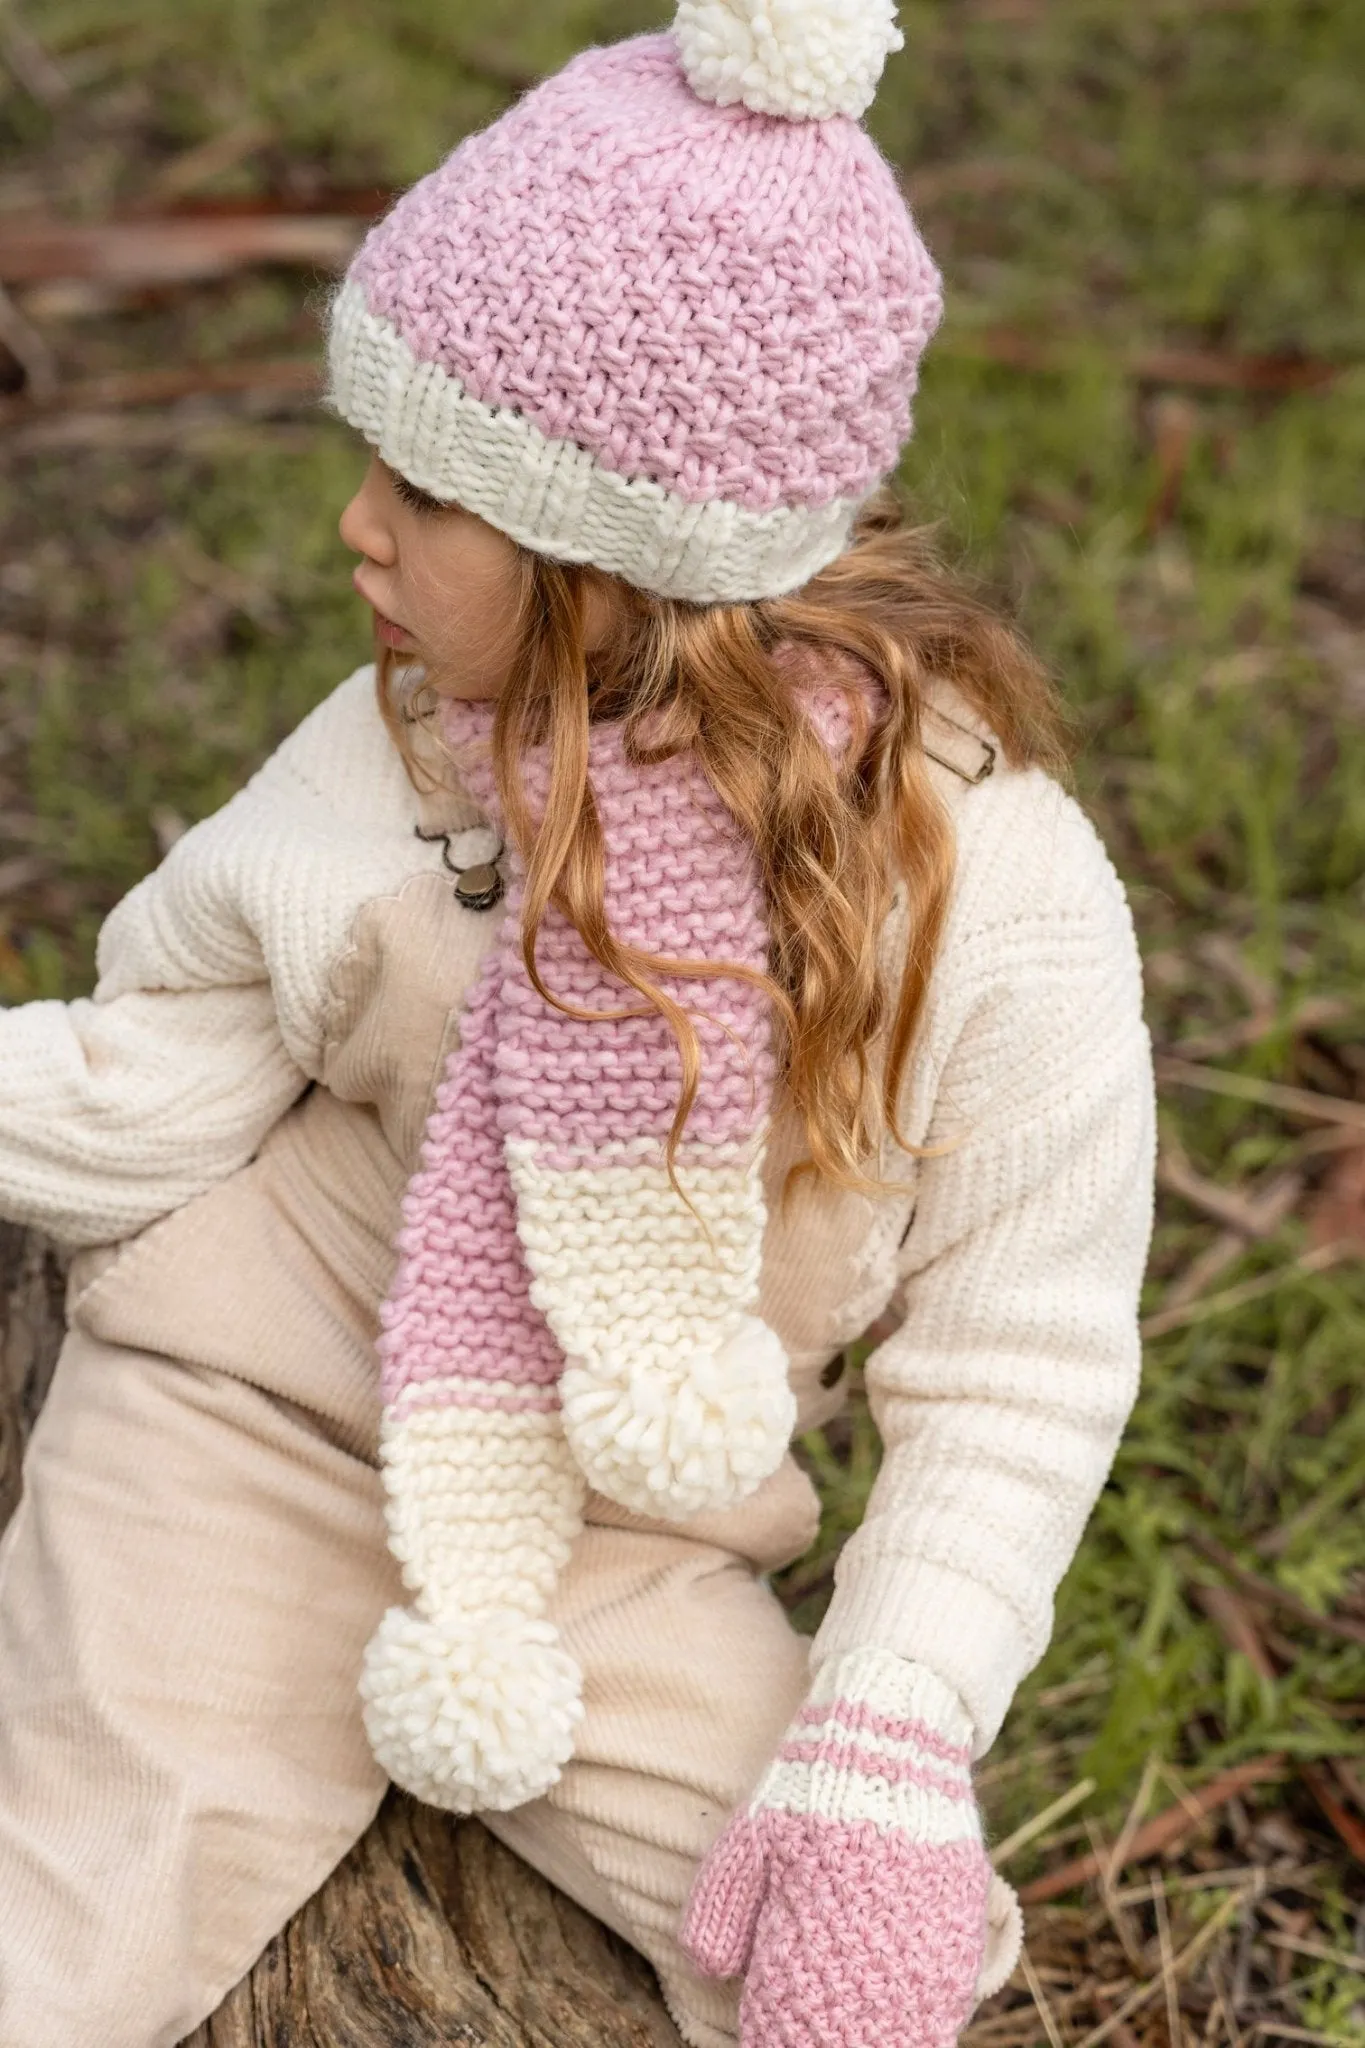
182	1758
631	327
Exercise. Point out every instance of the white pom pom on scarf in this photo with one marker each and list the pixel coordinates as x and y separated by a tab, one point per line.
802	59
470	1712
677	1436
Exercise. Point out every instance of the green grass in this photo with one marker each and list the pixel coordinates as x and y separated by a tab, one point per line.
1097	178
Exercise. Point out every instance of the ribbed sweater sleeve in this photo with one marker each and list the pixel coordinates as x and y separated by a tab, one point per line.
115	1111
208	1017
1001	1398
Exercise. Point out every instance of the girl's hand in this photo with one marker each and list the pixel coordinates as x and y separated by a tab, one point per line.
851	1892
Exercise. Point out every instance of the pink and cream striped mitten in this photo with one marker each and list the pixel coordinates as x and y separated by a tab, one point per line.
851	1892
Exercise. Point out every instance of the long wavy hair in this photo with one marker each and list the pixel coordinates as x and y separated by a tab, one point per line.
835	832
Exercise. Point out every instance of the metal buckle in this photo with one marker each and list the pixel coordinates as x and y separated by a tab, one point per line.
977	759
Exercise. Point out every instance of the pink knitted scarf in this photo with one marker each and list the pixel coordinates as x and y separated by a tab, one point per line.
561	1318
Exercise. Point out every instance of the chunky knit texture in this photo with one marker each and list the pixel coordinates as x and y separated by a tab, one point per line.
851	1892
632	327
542	1227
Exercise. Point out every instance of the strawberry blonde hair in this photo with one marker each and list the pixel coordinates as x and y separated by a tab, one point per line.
834	832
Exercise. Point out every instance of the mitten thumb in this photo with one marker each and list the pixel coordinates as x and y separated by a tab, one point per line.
722	1913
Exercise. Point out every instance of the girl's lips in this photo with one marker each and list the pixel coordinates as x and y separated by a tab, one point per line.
392	635
388	630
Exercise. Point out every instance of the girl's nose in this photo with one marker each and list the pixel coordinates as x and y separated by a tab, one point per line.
364	529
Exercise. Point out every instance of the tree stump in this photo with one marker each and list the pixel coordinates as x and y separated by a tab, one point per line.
430	1932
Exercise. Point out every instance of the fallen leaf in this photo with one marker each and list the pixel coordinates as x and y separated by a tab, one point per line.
299	374
174	249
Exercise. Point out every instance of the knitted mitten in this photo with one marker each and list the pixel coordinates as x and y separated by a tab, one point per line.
851	1891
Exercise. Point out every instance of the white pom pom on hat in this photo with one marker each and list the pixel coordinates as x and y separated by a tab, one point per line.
802	59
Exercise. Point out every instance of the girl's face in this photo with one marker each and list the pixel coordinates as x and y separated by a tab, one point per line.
445	587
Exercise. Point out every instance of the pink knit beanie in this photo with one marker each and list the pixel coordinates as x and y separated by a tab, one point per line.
665	315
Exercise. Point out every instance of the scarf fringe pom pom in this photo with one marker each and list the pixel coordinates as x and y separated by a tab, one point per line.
470	1712
676	1436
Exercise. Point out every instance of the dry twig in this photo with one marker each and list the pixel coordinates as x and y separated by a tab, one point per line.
1163	1830
1314	1013
1166	1319
300	374
1296	1102
1039	1997
174	249
1270	1595
1201	369
1041	1822
1318	1952
24	56
208	160
1173	1970
1239	1631
1343	1823
1257	1211
1163	1933
29	349
1223	1251
1275	2030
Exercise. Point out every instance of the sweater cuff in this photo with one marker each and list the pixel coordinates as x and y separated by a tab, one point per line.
930	1615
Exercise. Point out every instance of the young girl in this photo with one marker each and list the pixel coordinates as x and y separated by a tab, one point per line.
678	951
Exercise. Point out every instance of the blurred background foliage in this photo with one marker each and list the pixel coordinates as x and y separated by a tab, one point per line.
1143	427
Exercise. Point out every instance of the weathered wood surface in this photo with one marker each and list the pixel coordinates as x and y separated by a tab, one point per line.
430	1932
30	1338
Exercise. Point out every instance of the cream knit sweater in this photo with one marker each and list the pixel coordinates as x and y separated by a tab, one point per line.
1017	1248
